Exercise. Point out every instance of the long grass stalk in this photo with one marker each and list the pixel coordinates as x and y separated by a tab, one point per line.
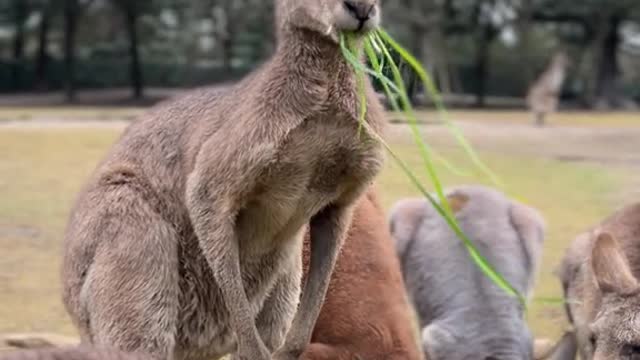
384	37
440	203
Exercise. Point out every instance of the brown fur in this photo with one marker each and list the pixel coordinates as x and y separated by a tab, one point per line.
366	314
184	243
599	275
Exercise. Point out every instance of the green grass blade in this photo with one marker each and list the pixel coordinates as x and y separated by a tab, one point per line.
378	65
437	99
477	258
360	84
442	206
358	66
415	131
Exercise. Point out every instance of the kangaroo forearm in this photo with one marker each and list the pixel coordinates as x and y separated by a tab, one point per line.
327	231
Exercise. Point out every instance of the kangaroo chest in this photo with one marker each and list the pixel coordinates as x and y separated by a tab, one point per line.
322	161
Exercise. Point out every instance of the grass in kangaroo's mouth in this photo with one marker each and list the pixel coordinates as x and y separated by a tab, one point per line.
379	56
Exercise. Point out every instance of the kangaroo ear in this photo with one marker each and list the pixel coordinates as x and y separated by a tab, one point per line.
531	229
405	220
565	349
610	266
457	201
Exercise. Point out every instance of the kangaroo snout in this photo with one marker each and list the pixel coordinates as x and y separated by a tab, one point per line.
361	10
359	15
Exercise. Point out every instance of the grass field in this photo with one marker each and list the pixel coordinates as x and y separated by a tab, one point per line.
574	173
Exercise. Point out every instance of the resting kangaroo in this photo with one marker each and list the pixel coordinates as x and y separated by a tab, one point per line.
366	314
599	274
463	315
185	243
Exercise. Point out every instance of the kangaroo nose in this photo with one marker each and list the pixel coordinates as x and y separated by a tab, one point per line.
359	9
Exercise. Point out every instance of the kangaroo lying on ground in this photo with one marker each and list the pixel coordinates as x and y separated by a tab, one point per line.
366	314
599	274
463	315
185	243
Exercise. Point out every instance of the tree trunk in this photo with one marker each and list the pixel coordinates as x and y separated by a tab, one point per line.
21	10
524	44
134	51
70	22
43	44
227	53
607	93
417	48
482	65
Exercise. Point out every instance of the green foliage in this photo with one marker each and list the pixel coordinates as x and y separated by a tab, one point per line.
446	36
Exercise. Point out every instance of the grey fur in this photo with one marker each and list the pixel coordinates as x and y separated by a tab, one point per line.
186	242
72	353
464	316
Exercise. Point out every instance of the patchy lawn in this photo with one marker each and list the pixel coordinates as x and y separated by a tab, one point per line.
565	118
41	170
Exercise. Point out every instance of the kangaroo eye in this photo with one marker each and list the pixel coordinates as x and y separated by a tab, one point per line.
630	352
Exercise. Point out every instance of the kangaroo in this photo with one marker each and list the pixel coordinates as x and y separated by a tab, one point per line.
366	314
463	315
185	243
599	275
72	353
543	95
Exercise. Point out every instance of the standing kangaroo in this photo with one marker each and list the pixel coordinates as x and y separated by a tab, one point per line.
463	315
543	95
599	274
186	242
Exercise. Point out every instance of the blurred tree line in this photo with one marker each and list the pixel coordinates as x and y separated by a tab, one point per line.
478	48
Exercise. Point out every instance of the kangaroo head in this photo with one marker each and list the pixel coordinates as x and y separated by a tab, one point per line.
328	17
615	331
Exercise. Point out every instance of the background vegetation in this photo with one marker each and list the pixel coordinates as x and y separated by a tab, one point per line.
479	48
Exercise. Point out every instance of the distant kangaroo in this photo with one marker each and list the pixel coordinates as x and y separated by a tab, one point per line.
543	95
463	315
185	242
366	314
599	274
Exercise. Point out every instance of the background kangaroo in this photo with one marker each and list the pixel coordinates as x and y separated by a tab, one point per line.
366	314
185	242
463	315
599	276
544	92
